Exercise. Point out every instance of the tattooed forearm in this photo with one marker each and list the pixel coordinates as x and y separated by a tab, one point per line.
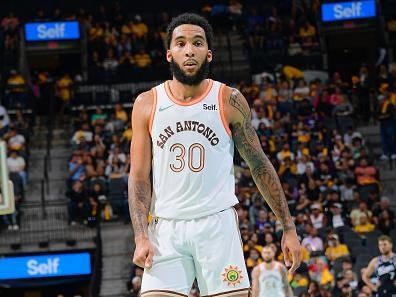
139	198
263	173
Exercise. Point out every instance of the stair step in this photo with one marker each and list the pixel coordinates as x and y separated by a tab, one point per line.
117	249
369	130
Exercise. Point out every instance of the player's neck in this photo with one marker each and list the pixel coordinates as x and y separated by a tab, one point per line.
185	92
388	256
269	265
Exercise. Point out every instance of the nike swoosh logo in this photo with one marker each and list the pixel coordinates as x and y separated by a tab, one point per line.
164	108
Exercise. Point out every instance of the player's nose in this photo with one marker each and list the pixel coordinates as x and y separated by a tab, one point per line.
189	50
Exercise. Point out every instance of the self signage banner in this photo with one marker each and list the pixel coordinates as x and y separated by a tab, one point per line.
52	31
344	11
51	265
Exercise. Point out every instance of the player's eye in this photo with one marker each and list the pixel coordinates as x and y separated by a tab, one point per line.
180	43
198	43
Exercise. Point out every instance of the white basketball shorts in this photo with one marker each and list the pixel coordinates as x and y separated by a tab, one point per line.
208	249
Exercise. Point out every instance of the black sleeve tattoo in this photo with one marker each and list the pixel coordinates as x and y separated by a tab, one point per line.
139	199
263	173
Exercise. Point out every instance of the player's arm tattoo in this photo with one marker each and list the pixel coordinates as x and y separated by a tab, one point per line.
139	193
263	173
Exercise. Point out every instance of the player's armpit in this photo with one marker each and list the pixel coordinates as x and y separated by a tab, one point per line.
139	185
238	114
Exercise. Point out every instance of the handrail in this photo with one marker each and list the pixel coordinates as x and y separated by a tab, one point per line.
96	279
230	56
390	160
43	208
46	178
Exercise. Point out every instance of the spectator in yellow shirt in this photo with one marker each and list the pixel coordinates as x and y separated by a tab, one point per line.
138	28
285	153
96	33
292	72
335	249
120	113
127	134
64	88
297	280
16	87
307	30
142	59
319	272
364	225
252	243
253	259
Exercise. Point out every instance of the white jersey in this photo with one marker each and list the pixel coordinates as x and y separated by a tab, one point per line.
317	222
270	281
193	171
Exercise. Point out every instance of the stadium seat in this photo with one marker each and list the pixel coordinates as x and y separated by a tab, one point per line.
117	193
373	235
299	290
337	264
362	261
372	247
393	235
17	182
357	250
349	235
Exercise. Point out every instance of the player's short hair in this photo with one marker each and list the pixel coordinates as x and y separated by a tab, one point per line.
190	19
385	238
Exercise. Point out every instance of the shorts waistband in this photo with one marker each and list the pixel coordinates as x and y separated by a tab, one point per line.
155	218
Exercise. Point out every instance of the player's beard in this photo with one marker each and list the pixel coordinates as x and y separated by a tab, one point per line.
191	80
387	253
268	261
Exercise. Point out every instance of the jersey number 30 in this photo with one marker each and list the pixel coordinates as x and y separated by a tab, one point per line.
196	152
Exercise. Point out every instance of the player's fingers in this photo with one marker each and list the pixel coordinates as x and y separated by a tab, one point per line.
139	258
296	255
149	259
286	256
139	261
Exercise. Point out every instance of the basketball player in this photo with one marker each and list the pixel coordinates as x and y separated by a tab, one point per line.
184	130
269	279
384	267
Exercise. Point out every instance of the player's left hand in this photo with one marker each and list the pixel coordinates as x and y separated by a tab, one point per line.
291	249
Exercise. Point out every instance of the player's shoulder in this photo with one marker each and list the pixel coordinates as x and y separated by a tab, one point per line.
143	106
256	270
373	264
280	266
232	97
145	102
228	91
146	97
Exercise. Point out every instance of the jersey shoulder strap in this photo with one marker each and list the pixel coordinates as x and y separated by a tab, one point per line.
394	259
261	267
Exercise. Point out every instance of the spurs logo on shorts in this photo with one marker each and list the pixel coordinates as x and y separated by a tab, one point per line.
232	275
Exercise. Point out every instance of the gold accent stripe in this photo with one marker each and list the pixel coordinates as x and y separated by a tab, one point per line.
221	108
237	225
152	113
163	292
230	293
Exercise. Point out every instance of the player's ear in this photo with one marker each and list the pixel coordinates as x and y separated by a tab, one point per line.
210	56
168	56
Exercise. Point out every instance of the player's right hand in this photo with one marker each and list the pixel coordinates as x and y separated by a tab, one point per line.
144	253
